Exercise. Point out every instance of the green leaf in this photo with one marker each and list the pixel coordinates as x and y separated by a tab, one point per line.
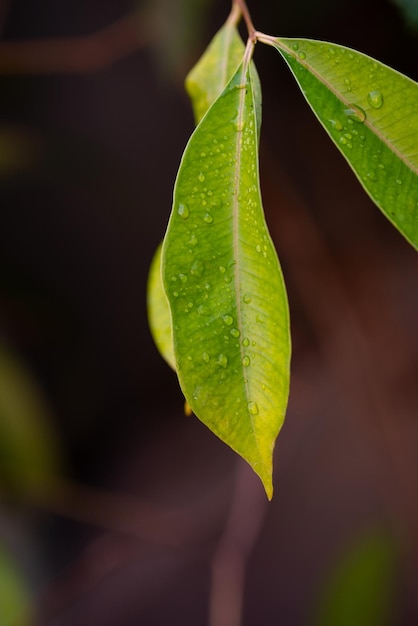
361	589
159	316
370	111
207	79
224	284
204	84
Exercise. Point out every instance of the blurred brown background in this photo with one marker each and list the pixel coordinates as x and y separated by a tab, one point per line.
116	508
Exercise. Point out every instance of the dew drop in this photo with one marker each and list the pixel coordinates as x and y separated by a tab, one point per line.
176	294
246	361
201	177
197	268
223	360
245	342
247	298
222	269
193	240
228	320
295	46
336	124
205	357
183	211
302	56
375	99
235	333
355	113
253	408
183	278
398	181
208	218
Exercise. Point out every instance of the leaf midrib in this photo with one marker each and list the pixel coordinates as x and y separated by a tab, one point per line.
245	81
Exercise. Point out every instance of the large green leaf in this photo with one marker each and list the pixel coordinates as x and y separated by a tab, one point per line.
370	112
204	83
224	285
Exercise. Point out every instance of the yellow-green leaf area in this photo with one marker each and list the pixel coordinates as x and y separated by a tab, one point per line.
370	112
207	79
159	317
224	284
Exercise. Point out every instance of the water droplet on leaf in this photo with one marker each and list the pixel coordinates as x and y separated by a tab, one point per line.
375	99
246	361
183	211
197	268
228	320
253	408
336	124
355	113
223	360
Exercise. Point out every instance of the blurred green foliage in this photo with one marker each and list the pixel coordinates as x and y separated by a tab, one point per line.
361	589
29	454
14	595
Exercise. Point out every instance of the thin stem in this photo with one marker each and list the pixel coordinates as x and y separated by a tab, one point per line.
247	18
263	38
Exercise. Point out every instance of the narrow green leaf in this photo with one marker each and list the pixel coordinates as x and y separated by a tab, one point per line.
159	317
207	79
361	589
370	111
224	284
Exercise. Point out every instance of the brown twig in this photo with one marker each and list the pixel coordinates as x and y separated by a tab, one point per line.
241	531
247	18
74	55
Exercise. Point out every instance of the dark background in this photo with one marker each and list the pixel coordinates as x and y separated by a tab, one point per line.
88	157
